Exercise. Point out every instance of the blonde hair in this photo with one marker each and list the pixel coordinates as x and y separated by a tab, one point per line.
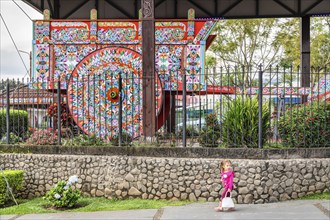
222	164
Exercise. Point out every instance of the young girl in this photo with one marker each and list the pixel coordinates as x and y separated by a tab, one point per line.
227	179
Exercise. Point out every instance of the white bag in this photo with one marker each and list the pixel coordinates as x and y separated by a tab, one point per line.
227	202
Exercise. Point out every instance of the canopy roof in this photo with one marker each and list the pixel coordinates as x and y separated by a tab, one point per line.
123	9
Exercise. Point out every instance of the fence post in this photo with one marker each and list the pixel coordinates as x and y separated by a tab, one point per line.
184	110
59	112
260	132
7	113
120	120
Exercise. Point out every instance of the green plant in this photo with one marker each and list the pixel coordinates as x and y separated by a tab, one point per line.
13	139
209	138
126	139
15	181
18	122
84	140
62	195
89	204
240	122
307	125
210	134
191	131
43	137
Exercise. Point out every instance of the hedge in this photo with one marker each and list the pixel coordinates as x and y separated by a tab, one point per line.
15	180
18	123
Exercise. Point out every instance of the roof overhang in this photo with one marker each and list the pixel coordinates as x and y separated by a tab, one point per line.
229	9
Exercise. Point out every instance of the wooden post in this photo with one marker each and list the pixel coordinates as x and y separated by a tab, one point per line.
148	65
305	53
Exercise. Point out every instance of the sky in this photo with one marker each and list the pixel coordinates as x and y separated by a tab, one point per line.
20	27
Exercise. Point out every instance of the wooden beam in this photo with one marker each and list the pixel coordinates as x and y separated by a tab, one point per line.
231	7
119	9
311	7
51	9
200	8
75	9
159	3
257	7
293	12
97	5
57	6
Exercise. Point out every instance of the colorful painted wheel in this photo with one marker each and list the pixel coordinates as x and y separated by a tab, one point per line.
93	92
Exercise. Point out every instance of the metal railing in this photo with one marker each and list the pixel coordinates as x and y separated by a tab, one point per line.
224	109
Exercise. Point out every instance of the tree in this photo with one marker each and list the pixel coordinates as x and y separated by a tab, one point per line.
246	44
289	38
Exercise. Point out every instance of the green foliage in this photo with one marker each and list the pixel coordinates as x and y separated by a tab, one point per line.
289	38
13	139
246	43
90	204
306	126
15	180
43	137
62	195
84	140
191	131
210	134
18	123
240	123
209	138
126	139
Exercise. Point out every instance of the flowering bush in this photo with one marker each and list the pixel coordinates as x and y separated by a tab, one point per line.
306	125
62	195
43	137
66	118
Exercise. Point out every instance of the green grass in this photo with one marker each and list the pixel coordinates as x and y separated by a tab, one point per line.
325	195
88	204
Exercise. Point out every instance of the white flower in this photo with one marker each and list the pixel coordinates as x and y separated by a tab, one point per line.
72	180
66	187
57	196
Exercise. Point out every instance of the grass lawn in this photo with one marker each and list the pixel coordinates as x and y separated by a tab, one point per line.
92	204
89	204
325	195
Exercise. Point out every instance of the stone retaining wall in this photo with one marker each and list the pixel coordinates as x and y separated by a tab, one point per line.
256	181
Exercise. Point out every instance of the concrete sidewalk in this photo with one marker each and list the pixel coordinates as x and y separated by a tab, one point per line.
291	210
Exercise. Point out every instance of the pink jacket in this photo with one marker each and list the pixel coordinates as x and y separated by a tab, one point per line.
227	179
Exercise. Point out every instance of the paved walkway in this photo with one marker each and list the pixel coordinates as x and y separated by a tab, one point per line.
291	210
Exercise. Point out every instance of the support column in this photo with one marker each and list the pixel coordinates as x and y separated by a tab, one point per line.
305	53
148	65
170	122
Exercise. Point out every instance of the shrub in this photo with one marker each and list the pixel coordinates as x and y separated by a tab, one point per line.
18	122
190	131
84	140
209	137
43	137
13	139
126	139
62	195
211	132
240	122
15	180
66	117
307	125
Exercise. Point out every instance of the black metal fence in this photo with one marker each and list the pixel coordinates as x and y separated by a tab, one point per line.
229	112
